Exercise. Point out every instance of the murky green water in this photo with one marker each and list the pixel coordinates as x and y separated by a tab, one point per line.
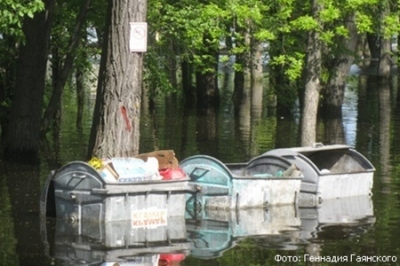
359	230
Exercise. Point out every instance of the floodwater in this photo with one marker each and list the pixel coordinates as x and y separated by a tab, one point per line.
358	230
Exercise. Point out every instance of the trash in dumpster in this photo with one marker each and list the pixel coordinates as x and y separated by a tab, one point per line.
154	165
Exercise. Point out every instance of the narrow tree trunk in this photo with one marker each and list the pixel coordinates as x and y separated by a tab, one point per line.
189	91
22	137
242	79
80	97
257	77
65	71
334	92
380	56
207	89
115	129
172	66
312	86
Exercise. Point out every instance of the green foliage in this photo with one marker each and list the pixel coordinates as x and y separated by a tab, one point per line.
13	12
155	76
293	64
391	26
192	31
305	22
364	22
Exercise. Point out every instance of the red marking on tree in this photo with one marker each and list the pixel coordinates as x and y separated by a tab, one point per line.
124	113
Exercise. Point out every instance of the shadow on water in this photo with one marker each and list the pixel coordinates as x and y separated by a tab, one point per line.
21	208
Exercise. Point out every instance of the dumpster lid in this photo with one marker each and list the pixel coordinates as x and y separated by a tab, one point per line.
308	149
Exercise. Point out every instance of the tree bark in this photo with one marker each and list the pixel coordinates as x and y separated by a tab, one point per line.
7	82
242	79
80	97
22	137
312	85
207	94
334	92
189	91
257	77
115	129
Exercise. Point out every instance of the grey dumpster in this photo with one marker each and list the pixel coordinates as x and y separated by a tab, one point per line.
77	192
263	181
331	171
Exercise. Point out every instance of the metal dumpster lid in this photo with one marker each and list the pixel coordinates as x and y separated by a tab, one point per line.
316	147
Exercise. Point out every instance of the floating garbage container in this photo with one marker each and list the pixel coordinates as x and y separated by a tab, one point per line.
79	192
263	181
330	171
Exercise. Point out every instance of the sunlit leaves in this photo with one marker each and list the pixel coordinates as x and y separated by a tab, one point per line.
293	64
265	35
364	23
305	22
341	31
357	4
283	24
12	13
330	14
391	26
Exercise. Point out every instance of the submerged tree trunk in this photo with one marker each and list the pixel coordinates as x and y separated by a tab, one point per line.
257	80
207	89
334	90
7	82
189	91
80	97
380	56
22	137
312	85
115	129
242	79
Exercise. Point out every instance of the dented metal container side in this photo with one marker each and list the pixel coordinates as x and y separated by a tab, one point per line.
345	185
240	185
264	192
256	192
331	171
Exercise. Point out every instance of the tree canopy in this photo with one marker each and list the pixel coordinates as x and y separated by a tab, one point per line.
189	39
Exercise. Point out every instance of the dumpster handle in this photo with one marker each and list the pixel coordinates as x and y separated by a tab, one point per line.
318	145
82	176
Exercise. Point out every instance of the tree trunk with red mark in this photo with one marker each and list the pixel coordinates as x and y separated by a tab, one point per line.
115	129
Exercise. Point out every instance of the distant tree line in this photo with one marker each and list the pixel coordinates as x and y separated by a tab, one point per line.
309	45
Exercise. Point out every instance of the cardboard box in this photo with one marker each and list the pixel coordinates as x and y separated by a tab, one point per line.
108	173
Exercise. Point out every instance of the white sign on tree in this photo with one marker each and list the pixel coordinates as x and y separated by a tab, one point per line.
138	37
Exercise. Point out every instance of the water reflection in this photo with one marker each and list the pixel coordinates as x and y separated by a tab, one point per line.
208	236
114	243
